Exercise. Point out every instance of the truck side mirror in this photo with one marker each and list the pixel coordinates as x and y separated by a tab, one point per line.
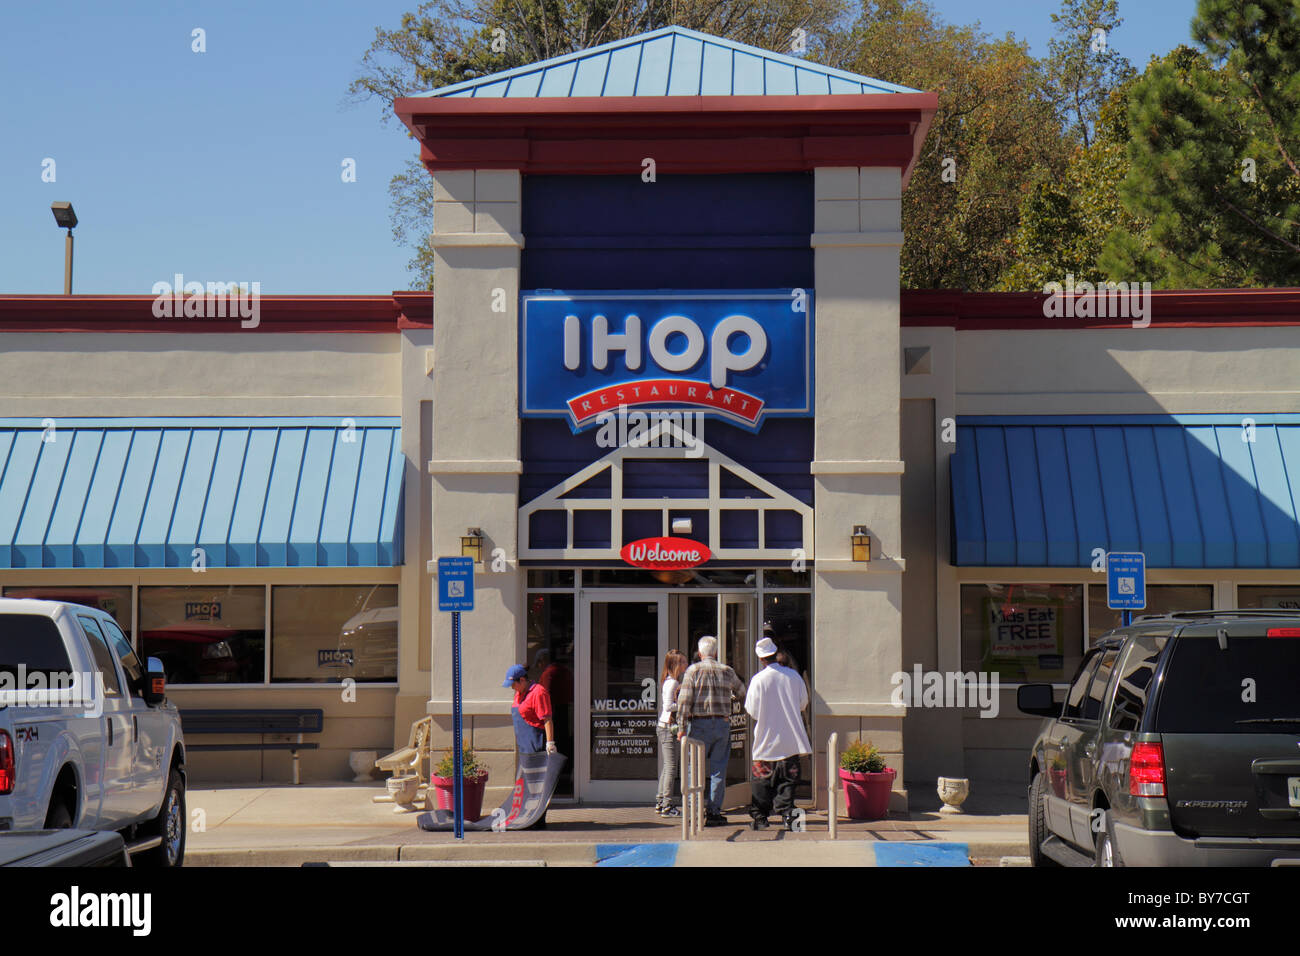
1036	699
155	684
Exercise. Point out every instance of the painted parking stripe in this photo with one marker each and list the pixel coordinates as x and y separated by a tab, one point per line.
922	854
636	854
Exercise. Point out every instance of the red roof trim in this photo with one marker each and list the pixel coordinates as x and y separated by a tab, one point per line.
1177	309
684	134
276	313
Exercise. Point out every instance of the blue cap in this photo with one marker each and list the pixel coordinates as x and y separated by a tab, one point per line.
515	672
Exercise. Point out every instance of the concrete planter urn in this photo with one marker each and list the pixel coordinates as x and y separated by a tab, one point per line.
953	791
362	763
404	790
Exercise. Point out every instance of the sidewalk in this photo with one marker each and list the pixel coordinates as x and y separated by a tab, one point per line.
290	826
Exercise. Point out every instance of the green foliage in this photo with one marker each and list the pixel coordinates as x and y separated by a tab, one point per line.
1082	68
1213	155
471	766
861	758
995	134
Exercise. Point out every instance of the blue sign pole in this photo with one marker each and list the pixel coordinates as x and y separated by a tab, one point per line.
456	594
456	707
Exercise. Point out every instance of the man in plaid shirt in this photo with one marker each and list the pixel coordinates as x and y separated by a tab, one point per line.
704	711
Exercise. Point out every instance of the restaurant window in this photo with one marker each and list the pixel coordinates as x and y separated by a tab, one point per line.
1268	596
327	633
205	635
114	601
1161	599
1024	633
549	659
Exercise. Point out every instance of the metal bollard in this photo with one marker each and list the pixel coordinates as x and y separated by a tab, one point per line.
693	783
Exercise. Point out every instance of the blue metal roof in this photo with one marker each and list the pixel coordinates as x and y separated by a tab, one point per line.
252	492
1188	491
673	61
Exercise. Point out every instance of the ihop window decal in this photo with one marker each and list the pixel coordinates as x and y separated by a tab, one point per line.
738	357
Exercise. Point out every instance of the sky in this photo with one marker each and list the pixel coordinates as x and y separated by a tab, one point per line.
227	164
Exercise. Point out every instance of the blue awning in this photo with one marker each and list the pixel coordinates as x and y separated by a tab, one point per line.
251	492
1190	491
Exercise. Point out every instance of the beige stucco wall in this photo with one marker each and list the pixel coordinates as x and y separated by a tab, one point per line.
1131	371
475	464
143	374
857	608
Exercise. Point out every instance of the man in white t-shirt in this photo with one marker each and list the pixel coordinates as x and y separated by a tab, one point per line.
776	700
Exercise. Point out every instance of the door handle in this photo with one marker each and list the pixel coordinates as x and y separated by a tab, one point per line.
135	728
110	731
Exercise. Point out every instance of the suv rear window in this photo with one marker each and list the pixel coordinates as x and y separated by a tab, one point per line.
1249	688
33	641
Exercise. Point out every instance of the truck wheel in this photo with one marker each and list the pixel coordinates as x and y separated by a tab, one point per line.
59	817
1038	824
170	824
1107	851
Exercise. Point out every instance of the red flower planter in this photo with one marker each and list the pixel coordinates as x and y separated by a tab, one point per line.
471	793
866	795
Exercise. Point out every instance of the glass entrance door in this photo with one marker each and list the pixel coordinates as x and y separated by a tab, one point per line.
737	636
625	638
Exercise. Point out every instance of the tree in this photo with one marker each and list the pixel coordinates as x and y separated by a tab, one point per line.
994	137
1213	155
1082	69
448	41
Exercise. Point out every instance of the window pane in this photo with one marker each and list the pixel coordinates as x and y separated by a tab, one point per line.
1134	682
550	578
130	662
205	635
1079	687
111	600
1022	632
1161	599
777	578
325	633
549	660
1268	595
103	656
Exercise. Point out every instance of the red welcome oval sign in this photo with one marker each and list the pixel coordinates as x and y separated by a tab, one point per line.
663	554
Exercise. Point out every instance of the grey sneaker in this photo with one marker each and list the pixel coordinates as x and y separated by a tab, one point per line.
670	812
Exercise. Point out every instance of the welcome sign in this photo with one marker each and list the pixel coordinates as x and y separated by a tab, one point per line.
734	356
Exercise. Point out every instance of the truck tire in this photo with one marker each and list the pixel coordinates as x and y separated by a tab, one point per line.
58	817
1107	853
170	824
1038	824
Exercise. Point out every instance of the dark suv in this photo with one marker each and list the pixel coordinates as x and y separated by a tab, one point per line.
1178	744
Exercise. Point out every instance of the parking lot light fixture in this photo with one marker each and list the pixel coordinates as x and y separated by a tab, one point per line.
66	218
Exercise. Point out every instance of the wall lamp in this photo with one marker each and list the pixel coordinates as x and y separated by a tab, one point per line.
861	543
471	544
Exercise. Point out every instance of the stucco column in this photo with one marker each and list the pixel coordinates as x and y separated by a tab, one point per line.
856	470
475	466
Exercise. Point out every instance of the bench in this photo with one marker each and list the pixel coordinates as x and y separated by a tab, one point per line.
263	721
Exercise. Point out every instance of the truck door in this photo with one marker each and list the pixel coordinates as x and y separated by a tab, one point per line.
150	726
115	807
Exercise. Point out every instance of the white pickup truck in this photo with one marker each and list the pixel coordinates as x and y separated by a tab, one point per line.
87	736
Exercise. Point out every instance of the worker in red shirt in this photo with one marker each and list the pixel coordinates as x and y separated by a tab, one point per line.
531	713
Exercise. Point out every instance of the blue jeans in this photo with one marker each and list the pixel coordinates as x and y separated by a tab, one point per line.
715	734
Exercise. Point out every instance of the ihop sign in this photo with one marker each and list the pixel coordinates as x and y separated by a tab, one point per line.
734	356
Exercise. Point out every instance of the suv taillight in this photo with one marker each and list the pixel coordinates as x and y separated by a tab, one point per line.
1284	632
6	763
1146	771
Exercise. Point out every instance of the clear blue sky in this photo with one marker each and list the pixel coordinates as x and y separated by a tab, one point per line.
225	165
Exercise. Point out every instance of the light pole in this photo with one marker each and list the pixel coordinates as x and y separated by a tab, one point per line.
66	218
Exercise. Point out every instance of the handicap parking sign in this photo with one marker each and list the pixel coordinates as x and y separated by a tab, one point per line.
1126	580
455	584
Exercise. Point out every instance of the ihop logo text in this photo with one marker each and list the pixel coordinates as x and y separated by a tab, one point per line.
736	356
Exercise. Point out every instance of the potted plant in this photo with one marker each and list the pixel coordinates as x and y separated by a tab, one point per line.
1057	775
475	777
867	782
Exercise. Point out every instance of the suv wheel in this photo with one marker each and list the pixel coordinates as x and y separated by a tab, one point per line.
1038	823
170	824
59	817
1107	853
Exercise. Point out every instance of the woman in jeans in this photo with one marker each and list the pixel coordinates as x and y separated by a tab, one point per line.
669	783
